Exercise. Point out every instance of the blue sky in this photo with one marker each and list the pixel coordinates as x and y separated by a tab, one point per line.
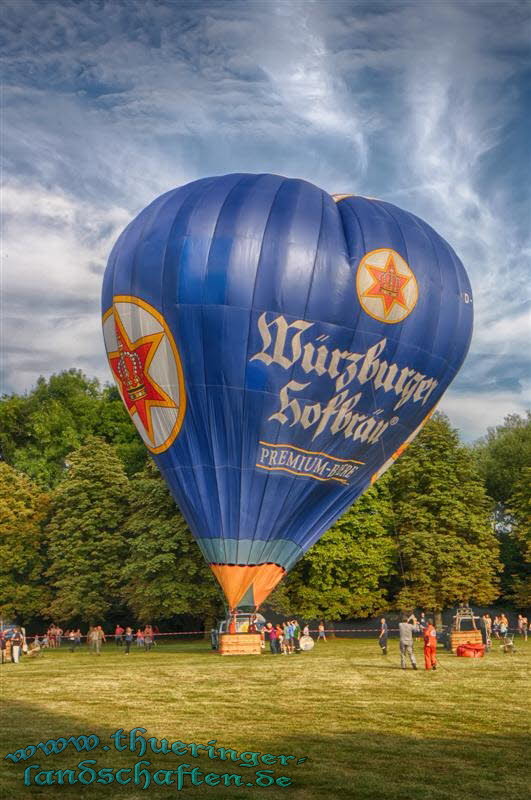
107	104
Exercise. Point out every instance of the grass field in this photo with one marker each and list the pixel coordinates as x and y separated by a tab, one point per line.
368	729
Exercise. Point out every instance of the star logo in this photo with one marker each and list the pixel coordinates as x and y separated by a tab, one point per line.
147	369
386	286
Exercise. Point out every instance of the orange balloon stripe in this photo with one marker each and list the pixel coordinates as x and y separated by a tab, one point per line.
235	580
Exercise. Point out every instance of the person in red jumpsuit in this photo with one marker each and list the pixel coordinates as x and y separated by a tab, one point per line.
430	646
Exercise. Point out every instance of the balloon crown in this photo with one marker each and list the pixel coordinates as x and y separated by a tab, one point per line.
129	368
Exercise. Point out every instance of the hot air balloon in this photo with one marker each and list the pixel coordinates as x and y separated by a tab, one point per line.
277	348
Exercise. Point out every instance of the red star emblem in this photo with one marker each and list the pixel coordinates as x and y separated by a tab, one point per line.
388	285
130	365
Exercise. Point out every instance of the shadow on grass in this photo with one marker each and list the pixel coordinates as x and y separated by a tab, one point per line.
365	765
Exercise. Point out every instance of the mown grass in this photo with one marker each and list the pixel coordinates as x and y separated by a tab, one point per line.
369	730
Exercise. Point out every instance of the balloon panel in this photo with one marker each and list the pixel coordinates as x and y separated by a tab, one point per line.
276	349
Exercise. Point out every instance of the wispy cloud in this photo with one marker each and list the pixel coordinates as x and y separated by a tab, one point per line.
108	104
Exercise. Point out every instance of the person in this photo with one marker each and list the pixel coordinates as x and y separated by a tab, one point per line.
72	640
280	640
288	637
252	626
214	637
128	639
77	637
98	637
37	641
430	645
119	635
139	638
3	648
406	628
58	635
34	648
148	637
382	638
272	635
496	627
306	630
483	629
296	636
16	644
321	631
522	626
504	626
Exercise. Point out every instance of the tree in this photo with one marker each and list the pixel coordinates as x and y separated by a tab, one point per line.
86	544
448	548
38	430
503	456
23	509
345	574
165	573
519	569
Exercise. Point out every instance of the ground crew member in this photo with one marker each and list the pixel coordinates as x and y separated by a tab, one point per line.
430	646
406	628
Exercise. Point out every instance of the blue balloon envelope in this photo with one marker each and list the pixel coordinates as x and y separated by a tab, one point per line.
277	348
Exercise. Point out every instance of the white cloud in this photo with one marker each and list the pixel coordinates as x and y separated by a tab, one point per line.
410	102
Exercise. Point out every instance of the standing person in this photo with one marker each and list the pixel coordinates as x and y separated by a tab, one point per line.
522	626
271	634
58	635
280	640
148	637
504	626
72	640
119	635
496	627
406	628
296	636
430	645
139	638
214	637
16	644
98	637
321	631
128	639
77	637
483	629
288	637
3	648
382	638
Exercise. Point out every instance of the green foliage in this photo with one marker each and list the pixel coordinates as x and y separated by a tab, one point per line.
165	573
519	567
86	544
22	510
448	548
502	455
345	573
38	430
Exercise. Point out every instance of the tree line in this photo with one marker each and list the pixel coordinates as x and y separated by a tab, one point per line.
89	531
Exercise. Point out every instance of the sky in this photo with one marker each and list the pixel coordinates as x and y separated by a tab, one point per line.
107	104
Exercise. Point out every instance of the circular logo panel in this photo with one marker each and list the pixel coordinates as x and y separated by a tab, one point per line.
147	369
386	286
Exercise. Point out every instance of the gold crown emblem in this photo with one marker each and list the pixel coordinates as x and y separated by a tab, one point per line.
129	368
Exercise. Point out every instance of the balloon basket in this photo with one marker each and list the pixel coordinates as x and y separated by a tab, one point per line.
240	644
458	638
